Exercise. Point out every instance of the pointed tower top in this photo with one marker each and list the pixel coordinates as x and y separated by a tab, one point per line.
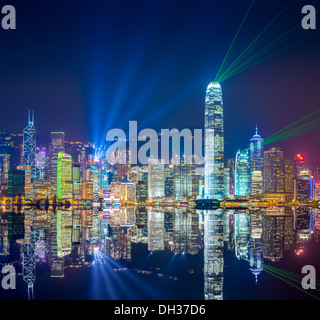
256	129
30	117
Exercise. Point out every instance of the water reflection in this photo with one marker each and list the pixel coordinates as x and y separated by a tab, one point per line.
75	237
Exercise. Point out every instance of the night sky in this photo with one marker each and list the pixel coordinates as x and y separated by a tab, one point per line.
89	66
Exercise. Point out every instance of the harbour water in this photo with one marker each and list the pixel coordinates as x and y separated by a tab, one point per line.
159	253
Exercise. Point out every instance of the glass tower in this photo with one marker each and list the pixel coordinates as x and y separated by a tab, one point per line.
256	153
64	176
273	171
57	145
214	143
242	174
29	146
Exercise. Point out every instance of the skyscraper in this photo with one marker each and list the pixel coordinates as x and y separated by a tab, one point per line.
242	174
273	171
256	183
64	176
76	181
156	179
289	176
29	146
214	143
256	153
184	178
57	145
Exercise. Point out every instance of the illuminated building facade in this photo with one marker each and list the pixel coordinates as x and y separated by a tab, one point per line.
27	180
141	190
128	191
242	174
86	190
317	190
93	174
16	180
214	143
42	189
256	183
231	166
4	170
289	176
76	181
303	187
64	176
156	179
29	147
227	182
273	171
256	153
185	180
57	146
41	163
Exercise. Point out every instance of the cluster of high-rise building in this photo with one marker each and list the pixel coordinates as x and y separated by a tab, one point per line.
256	172
72	170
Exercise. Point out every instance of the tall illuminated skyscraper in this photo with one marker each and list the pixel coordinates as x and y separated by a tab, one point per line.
273	171
156	179
256	183
64	176
242	174
57	145
256	153
214	143
29	146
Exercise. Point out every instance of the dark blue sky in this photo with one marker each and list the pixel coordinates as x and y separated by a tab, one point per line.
89	66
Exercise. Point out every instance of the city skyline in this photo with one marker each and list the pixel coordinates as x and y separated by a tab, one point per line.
159	150
85	94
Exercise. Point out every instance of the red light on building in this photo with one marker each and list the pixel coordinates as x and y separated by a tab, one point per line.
299	157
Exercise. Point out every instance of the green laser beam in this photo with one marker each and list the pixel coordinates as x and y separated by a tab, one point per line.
268	269
286	273
257	54
294	123
298	133
273	54
261	33
234	39
277	134
251	59
294	277
302	290
292	130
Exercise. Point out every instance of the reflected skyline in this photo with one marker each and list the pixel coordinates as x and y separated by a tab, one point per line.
184	247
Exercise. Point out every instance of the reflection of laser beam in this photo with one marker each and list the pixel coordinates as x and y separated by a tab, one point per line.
110	263
287	277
